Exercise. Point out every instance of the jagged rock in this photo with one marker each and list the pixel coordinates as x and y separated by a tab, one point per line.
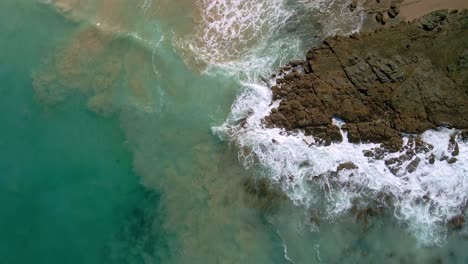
464	135
413	165
457	222
391	161
420	146
353	134
368	153
382	84
444	158
325	134
463	60
379	17
453	145
452	160
392	13
346	166
296	63
433	20
379	153
353	5
394	10
373	132
395	170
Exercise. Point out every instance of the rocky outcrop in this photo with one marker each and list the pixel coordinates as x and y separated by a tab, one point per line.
404	78
379	12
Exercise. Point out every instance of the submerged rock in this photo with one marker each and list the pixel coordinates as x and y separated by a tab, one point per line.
365	212
413	165
267	197
453	147
457	222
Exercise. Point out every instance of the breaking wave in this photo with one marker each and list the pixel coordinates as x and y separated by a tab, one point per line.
248	39
424	199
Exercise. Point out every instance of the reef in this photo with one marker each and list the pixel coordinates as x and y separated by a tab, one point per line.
400	79
263	194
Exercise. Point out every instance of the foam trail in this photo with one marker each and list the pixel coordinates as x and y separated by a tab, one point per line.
285	249
147	4
317	249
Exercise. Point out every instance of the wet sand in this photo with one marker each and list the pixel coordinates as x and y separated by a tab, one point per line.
412	9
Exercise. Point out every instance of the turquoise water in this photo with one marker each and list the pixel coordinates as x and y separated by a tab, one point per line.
68	190
107	155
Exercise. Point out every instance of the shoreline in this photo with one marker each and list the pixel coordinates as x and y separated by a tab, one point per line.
368	113
384	13
413	9
371	65
380	109
387	87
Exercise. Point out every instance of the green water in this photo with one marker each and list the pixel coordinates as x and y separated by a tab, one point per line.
107	154
67	186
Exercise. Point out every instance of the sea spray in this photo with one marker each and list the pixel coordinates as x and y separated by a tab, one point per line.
424	200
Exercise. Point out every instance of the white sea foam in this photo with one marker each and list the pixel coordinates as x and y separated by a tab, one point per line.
299	167
335	16
230	31
239	37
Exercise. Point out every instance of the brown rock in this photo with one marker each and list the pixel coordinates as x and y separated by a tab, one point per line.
457	222
453	145
379	86
413	165
347	166
353	5
379	17
464	135
392	13
452	160
325	135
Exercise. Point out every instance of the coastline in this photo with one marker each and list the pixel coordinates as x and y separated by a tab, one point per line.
383	84
382	13
380	111
108	156
413	9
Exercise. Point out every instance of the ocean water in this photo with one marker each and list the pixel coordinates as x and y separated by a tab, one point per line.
121	141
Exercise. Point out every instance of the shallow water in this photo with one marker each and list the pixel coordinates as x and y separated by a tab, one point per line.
108	154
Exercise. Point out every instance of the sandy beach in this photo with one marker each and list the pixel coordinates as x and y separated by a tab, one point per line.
412	9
